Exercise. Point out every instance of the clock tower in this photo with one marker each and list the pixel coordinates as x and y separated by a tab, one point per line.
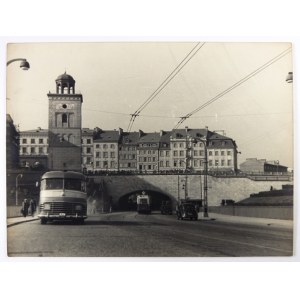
65	125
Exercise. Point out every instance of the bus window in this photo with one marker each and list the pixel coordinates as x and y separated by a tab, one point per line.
73	184
52	184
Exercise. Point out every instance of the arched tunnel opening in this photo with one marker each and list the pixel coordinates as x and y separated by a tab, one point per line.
128	201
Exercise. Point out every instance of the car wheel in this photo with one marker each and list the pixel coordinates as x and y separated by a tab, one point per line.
43	221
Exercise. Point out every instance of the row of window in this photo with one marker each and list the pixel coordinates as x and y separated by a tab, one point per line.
176	153
34	150
163	164
106	164
105	154
147	159
35	141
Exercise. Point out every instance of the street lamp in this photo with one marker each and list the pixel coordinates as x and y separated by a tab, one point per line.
18	176
289	78
205	202
277	163
24	65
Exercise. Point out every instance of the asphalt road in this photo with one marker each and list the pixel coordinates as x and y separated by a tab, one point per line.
128	234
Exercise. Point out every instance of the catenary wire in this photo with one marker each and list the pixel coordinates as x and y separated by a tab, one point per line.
258	70
187	58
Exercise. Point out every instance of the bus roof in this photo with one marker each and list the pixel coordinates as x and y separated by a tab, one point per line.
63	174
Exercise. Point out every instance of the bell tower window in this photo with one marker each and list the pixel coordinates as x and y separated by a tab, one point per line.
64	120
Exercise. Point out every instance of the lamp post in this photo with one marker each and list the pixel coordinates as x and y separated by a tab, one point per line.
18	176
289	78
205	204
205	185
24	65
277	163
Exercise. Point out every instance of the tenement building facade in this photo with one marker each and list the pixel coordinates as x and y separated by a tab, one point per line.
116	150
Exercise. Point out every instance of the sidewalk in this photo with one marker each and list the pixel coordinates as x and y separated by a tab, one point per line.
246	220
18	220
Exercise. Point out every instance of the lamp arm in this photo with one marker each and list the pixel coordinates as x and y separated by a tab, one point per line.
13	60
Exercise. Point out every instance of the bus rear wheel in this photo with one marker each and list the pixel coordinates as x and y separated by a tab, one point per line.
79	222
43	220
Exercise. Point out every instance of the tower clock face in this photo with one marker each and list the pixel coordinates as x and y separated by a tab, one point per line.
65	106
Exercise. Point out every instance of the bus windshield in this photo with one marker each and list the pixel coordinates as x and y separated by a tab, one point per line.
60	183
74	184
52	184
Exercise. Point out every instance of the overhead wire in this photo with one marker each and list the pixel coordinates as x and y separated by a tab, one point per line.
244	79
192	117
178	68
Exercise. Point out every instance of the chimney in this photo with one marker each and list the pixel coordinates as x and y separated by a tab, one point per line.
140	133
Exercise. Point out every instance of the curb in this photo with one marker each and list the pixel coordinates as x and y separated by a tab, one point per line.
20	222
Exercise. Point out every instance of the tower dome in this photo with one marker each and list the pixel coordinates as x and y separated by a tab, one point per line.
65	81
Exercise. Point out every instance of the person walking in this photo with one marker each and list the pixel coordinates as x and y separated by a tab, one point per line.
25	206
32	205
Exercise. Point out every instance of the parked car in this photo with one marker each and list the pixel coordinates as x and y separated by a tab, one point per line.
186	211
166	208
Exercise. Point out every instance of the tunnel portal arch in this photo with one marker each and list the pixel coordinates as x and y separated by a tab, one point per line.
127	202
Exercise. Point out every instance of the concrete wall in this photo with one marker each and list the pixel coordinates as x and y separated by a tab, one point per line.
270	212
14	211
218	188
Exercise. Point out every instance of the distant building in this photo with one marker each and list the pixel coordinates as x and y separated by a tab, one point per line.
12	144
115	150
106	150
256	166
128	151
87	140
34	146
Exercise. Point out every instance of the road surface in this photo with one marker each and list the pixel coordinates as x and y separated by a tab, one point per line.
128	234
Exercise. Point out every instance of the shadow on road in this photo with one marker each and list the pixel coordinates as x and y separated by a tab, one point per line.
107	223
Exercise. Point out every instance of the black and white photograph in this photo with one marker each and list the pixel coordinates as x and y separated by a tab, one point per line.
150	149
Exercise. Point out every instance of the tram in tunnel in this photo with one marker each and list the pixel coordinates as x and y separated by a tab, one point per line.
128	202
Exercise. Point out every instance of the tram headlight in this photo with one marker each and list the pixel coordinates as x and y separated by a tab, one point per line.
78	207
47	206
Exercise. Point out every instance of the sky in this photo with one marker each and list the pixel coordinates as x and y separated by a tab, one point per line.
116	78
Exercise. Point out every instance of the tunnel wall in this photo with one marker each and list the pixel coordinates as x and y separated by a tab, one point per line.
172	186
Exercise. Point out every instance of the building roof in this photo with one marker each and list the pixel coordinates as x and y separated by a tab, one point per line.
87	132
38	131
189	132
152	137
130	138
165	136
112	136
65	77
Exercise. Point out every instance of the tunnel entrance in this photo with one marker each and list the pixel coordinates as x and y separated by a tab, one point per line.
128	201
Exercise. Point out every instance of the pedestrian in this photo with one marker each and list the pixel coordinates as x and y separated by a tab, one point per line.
94	206
32	205
25	206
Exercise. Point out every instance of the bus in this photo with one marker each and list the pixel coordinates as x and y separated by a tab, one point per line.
63	196
143	203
